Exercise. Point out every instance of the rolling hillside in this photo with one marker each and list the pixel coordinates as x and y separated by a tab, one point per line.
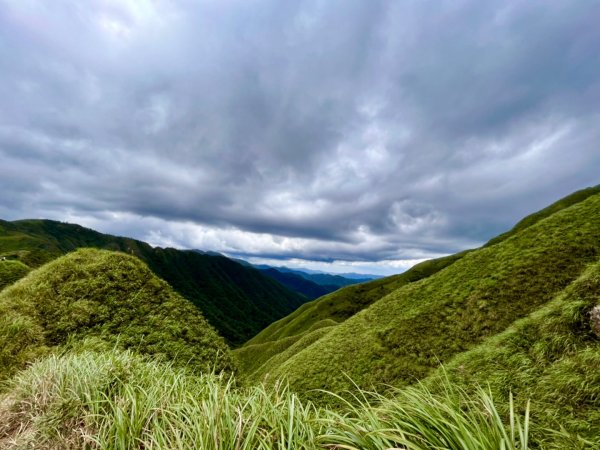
312	320
238	301
108	296
404	335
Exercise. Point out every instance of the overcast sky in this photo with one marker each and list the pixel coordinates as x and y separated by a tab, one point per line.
343	135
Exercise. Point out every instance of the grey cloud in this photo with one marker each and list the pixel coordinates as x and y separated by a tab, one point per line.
362	130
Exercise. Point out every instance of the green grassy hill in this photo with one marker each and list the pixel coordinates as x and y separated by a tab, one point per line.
111	297
406	334
238	301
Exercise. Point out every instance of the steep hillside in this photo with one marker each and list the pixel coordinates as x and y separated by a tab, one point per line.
109	296
406	334
347	302
532	219
238	301
549	358
344	303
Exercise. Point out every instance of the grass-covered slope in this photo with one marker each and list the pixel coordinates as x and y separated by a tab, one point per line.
11	271
406	334
238	301
344	303
106	295
551	357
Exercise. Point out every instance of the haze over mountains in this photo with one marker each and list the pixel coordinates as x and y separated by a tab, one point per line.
311	283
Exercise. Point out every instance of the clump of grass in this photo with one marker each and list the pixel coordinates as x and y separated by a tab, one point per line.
117	399
416	418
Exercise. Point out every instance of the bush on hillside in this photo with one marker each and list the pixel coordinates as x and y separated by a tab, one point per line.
11	271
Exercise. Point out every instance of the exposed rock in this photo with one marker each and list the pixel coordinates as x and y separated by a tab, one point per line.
595	319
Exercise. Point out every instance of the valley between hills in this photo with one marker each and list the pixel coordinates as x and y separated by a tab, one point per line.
108	342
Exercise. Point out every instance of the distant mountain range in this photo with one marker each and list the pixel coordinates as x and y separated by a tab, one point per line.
310	283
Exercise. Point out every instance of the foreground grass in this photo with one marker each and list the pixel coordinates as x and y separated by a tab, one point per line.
117	400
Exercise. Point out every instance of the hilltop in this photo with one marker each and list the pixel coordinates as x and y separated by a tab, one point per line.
238	301
111	297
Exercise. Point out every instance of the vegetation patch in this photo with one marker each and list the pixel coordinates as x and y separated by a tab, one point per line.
550	357
11	271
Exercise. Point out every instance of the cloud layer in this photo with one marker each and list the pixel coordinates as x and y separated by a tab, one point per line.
354	132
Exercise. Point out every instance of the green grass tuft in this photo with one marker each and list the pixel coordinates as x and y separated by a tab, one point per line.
11	271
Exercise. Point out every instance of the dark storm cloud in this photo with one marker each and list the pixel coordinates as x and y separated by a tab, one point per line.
339	130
